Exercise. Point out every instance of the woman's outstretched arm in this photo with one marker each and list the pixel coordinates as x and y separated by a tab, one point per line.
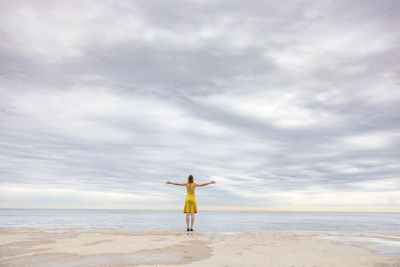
181	184
212	182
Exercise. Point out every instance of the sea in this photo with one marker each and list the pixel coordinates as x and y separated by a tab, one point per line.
204	220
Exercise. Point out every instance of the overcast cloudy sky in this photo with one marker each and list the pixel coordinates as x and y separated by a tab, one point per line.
288	105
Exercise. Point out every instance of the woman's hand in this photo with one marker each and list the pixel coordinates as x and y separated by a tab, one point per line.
168	182
213	182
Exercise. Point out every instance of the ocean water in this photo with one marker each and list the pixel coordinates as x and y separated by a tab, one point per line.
204	220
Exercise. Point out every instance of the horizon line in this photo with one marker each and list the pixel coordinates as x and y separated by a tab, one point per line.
218	208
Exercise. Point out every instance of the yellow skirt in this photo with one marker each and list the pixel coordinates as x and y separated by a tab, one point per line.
190	204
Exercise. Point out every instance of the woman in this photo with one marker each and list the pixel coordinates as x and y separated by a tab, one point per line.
190	202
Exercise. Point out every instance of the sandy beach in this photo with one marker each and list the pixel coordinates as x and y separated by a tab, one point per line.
118	247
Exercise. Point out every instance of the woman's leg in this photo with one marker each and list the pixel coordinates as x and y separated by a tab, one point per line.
187	219
192	220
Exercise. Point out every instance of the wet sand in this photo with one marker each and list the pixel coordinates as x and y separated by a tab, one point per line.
118	247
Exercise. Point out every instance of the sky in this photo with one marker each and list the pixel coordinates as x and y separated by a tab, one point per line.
287	105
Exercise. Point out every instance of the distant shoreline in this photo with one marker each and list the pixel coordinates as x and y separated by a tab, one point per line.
207	210
210	209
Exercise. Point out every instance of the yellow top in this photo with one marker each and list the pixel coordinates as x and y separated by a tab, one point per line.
190	191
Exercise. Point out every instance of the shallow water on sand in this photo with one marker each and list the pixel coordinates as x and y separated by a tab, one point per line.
379	243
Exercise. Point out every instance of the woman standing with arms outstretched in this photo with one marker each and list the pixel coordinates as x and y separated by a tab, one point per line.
190	202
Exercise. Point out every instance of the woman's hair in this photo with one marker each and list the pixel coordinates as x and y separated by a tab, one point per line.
190	179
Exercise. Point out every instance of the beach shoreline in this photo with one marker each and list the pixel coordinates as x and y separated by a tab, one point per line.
25	246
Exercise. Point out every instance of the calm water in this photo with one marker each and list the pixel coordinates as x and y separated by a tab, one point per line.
204	220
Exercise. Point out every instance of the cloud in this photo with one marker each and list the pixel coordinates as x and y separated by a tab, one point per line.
370	140
276	101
